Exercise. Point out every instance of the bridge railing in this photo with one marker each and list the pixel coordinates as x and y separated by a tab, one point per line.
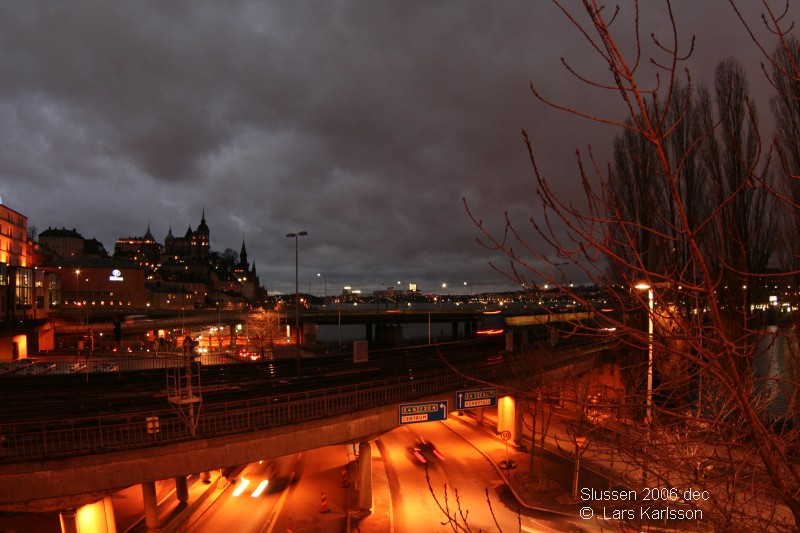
35	440
109	363
80	436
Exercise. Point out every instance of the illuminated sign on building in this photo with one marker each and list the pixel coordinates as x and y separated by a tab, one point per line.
116	275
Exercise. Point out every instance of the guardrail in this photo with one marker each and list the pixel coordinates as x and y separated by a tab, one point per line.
33	440
80	436
108	363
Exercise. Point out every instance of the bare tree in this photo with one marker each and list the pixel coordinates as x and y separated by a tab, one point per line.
263	327
714	416
786	110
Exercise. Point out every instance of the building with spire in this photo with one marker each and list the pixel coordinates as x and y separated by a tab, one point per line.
247	277
193	247
144	251
186	266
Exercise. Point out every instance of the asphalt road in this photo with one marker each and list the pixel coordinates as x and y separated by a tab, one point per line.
468	488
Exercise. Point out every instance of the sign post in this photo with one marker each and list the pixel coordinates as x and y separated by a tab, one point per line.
474	399
505	435
415	413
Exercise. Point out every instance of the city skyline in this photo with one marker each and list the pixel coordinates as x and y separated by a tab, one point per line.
366	125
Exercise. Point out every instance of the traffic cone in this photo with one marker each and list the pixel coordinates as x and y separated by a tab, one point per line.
324	504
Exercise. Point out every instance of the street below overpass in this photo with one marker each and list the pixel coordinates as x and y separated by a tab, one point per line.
296	484
317	491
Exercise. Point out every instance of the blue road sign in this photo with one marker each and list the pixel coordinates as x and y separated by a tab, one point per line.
414	413
473	399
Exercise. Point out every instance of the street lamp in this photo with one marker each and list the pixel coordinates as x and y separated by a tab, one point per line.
646	287
324	288
77	289
77	292
325	282
297	295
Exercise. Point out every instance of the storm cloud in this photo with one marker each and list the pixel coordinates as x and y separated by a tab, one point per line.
364	123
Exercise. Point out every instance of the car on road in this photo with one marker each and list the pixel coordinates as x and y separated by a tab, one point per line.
424	452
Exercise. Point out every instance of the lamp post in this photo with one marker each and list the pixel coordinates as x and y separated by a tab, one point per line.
325	284
296	237
324	288
341	299
77	289
649	402
77	292
643	286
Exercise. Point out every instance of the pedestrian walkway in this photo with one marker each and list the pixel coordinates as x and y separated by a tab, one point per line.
379	519
174	514
554	491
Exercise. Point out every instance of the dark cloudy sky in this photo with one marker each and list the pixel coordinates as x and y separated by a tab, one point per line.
364	123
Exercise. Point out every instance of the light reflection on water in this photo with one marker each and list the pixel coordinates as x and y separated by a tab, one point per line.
350	333
775	369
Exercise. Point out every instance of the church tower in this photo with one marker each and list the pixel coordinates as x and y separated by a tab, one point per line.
243	258
202	239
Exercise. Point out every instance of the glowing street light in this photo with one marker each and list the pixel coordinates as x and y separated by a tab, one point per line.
325	283
642	286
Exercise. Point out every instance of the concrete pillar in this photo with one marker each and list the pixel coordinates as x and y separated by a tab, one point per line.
509	341
364	476
518	425
108	508
506	416
182	489
232	335
309	332
97	517
150	505
69	521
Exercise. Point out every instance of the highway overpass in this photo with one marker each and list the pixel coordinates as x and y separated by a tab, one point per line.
66	463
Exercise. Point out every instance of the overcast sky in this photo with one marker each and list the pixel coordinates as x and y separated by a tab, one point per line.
363	123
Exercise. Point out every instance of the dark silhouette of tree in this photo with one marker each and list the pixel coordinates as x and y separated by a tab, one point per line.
690	209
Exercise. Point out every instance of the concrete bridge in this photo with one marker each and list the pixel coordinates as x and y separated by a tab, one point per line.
380	323
63	465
